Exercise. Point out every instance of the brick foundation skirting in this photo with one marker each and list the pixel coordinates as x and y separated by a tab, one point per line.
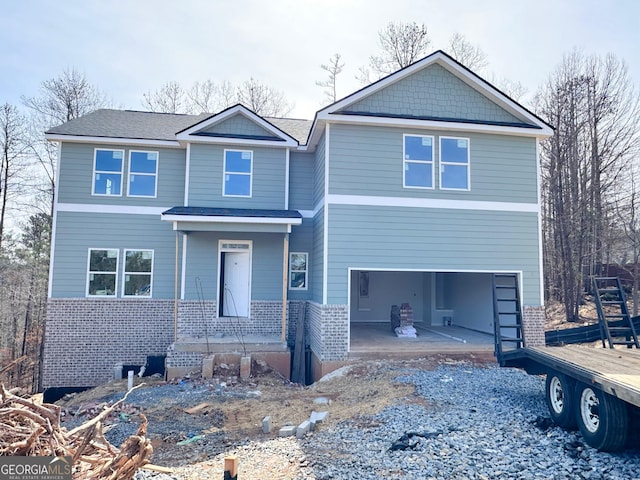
533	325
329	331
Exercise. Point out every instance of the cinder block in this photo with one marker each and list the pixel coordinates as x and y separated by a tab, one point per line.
287	431
245	367
318	417
207	366
266	424
303	429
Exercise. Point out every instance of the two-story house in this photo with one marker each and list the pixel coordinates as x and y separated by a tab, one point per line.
418	188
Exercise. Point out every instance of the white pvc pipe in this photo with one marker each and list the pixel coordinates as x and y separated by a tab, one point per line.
129	380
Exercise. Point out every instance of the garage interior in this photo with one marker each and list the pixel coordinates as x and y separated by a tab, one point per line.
452	311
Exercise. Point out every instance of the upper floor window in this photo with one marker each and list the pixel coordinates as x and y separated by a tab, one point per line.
143	173
454	163
238	167
298	271
418	161
107	172
138	273
102	272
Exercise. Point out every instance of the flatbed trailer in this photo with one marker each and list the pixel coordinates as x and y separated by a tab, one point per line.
594	389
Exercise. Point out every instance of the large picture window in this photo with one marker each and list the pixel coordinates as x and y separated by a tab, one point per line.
454	163
107	172
418	161
143	173
298	271
102	272
238	166
138	273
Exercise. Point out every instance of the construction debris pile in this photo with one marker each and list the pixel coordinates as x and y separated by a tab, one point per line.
30	428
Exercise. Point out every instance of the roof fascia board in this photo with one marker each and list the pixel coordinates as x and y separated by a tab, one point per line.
187	133
58	137
436	125
237	141
225	219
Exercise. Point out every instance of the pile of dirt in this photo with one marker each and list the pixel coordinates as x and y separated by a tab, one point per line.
192	419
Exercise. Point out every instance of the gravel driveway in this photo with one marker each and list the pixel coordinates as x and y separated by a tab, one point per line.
466	422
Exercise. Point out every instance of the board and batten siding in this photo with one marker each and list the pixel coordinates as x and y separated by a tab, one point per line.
266	264
77	232
432	92
76	176
238	125
431	239
368	160
206	170
301	182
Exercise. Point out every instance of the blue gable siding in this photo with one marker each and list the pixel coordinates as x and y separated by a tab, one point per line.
238	125
366	160
431	239
206	178
77	232
433	92
76	176
301	181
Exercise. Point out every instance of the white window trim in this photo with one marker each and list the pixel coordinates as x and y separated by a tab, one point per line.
93	177
306	271
224	173
89	272
124	272
155	175
405	161
443	162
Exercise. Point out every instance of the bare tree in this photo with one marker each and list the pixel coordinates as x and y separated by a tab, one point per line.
13	145
471	56
169	98
264	100
401	44
333	69
591	103
68	96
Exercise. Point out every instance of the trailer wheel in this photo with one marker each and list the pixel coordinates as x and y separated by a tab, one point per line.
559	391
602	418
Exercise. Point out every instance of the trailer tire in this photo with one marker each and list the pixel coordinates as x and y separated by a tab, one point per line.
602	418
559	393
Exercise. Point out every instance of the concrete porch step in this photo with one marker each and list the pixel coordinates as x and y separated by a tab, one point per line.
231	343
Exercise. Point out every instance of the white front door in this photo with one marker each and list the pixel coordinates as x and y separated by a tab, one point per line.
235	295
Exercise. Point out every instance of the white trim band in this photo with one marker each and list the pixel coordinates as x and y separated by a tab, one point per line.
101	208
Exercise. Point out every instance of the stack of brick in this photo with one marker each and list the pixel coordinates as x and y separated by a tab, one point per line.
406	315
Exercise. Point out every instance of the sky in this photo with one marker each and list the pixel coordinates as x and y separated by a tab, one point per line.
129	47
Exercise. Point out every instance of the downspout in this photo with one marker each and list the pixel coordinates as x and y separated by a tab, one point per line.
285	271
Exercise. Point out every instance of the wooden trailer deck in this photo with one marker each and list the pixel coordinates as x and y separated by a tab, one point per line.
615	371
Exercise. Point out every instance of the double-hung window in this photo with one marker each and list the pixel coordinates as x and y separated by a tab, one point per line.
454	163
102	275
238	168
107	172
138	273
143	173
418	161
298	271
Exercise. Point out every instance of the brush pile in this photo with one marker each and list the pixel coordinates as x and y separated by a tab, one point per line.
29	428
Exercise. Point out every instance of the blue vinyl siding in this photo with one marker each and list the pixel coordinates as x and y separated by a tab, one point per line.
433	92
76	170
77	232
316	258
431	239
301	181
318	186
367	160
206	175
301	240
239	125
266	264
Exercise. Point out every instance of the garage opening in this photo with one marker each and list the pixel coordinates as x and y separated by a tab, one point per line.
450	310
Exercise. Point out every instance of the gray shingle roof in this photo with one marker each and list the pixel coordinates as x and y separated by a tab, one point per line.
155	126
